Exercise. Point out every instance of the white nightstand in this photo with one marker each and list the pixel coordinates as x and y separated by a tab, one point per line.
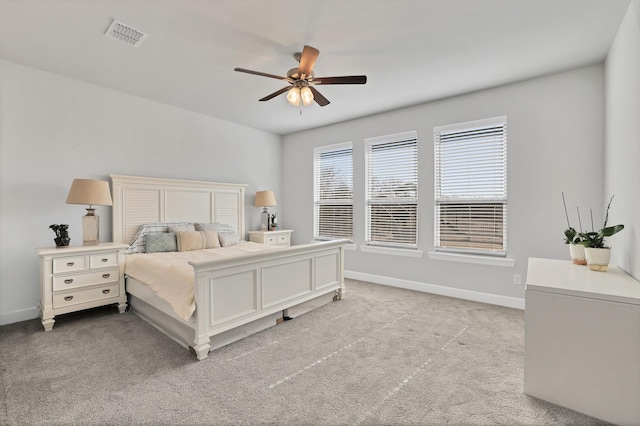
76	278
281	237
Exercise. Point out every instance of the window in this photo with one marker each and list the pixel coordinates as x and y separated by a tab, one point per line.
392	190
333	192
471	187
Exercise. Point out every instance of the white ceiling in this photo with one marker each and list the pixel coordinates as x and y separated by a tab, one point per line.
412	51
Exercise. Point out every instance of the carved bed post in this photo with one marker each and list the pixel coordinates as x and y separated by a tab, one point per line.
201	342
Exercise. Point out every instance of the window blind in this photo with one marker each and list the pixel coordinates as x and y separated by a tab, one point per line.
392	190
471	186
333	192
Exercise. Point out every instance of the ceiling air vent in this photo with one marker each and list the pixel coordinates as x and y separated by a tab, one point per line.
125	33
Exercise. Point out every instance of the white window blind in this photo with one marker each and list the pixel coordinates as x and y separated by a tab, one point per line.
392	190
471	186
333	193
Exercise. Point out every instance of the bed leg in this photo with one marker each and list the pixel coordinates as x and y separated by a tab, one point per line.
201	350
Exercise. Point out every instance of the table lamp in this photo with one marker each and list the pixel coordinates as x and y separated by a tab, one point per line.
265	199
91	192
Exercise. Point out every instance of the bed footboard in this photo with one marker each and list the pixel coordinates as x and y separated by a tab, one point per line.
236	291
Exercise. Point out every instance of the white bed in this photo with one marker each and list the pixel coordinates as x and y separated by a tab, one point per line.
235	296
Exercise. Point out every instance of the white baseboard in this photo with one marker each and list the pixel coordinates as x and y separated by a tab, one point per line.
476	296
19	315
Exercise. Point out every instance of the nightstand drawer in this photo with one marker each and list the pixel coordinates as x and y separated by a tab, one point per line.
103	260
281	237
81	280
61	300
69	264
270	239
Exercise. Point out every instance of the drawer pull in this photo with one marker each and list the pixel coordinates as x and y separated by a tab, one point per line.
106	291
70	263
67	298
104	260
69	281
105	276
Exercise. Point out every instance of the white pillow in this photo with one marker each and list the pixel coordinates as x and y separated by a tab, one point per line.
181	228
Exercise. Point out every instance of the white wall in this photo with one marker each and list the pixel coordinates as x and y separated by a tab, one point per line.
54	129
555	133
622	148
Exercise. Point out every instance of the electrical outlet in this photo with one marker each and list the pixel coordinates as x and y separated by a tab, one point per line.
517	279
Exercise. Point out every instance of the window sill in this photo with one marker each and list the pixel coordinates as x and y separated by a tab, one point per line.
392	251
468	258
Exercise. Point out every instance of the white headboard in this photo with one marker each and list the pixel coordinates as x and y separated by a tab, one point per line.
138	200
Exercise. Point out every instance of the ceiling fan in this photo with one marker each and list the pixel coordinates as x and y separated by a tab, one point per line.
303	80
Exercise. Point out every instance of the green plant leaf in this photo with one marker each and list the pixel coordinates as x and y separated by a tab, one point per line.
611	230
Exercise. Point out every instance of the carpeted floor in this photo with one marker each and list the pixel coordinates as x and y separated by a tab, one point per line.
381	356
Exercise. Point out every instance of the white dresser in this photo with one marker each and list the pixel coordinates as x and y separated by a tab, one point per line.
582	339
75	278
281	237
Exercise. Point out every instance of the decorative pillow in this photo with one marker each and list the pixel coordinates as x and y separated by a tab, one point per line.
228	238
138	242
160	242
208	226
180	228
225	228
197	240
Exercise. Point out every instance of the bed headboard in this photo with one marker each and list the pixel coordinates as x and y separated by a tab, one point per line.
138	200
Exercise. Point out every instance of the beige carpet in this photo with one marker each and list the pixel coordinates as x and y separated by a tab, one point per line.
380	356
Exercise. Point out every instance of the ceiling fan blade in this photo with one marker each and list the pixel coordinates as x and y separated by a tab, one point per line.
274	94
263	74
317	96
347	79
308	60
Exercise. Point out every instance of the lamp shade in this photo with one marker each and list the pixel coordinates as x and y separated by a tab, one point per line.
265	199
89	191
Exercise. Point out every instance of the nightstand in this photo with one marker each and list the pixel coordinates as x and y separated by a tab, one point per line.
281	237
76	278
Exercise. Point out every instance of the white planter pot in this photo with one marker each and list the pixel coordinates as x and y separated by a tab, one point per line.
598	258
577	254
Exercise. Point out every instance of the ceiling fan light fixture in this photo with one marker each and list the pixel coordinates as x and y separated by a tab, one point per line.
307	95
302	78
293	96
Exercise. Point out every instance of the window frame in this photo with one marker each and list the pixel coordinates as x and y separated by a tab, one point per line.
317	151
467	199
369	201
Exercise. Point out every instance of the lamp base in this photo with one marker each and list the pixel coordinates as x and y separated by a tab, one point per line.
264	225
90	228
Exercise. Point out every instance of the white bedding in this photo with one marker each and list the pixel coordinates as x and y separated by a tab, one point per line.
171	277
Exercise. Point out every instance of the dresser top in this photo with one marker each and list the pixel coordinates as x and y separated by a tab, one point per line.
55	251
563	277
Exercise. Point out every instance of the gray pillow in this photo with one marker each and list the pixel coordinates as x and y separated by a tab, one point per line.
160	242
208	226
229	238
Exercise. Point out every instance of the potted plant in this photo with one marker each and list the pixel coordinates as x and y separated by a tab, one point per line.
596	252
62	234
574	239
